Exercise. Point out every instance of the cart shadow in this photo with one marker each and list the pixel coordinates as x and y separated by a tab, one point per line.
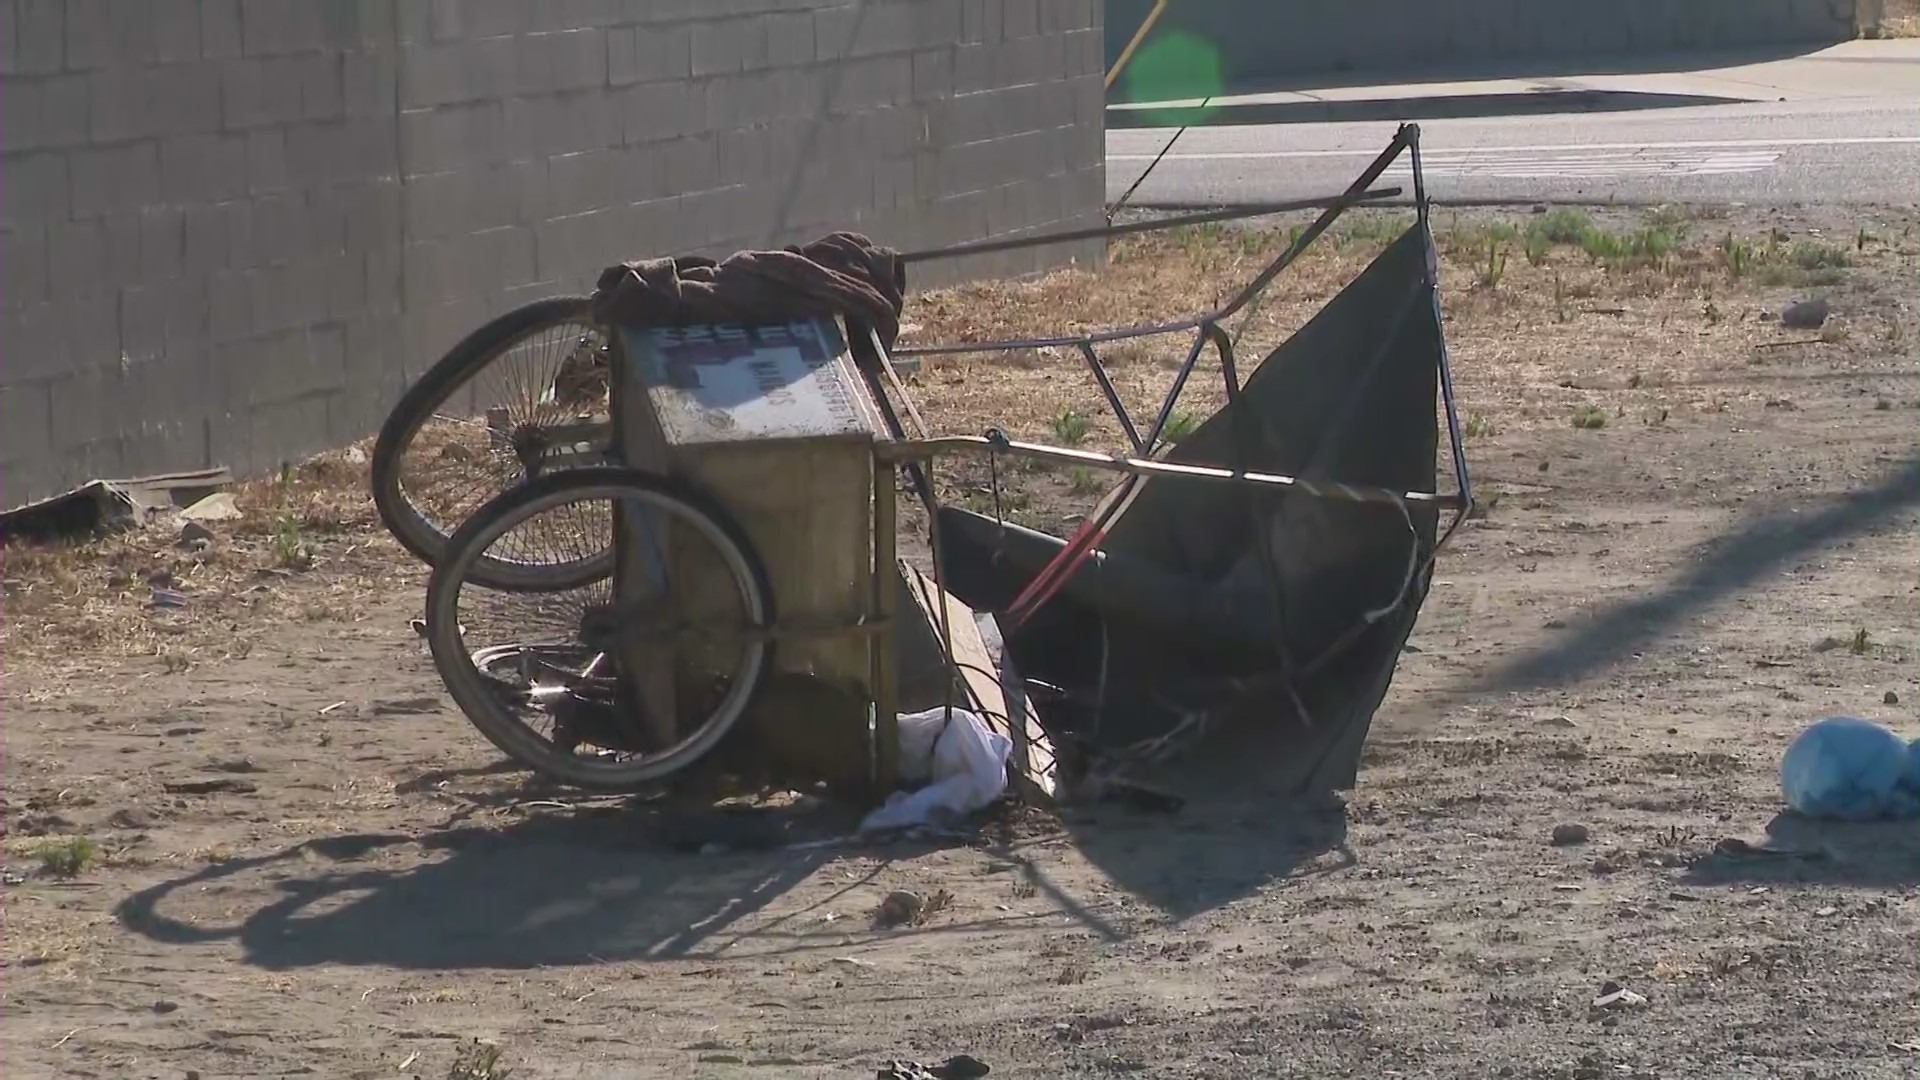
1806	851
1214	851
551	890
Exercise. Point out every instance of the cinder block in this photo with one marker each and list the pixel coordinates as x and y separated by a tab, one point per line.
285	27
229	314
1019	18
933	73
370	81
87	405
348	150
565	60
105	33
460	71
550	124
162	317
383	280
162	246
91	258
589	180
26	425
656	112
452	137
139	102
40	30
20	117
113	179
203	168
790	39
284	431
25	268
219	29
980	22
254	92
455	203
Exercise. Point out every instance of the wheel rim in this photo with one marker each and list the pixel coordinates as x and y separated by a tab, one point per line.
532	408
536	671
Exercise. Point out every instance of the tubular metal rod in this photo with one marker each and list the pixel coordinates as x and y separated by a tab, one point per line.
925	449
982	247
1113	397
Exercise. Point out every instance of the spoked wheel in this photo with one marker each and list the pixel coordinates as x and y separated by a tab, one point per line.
584	687
523	396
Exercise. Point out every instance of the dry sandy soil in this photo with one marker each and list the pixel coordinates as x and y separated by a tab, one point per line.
293	857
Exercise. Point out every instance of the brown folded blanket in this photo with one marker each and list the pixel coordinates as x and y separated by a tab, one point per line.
839	274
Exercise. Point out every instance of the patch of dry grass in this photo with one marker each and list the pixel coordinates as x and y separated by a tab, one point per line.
307	546
1532	304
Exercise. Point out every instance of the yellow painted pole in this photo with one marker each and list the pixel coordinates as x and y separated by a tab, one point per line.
1126	54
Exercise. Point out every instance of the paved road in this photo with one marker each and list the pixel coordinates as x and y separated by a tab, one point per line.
1836	139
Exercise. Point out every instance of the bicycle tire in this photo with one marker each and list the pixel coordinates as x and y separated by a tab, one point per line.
412	527
481	705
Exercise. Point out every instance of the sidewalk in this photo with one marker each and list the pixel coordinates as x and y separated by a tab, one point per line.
1849	69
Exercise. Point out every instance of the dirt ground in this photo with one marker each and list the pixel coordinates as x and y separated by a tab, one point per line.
287	854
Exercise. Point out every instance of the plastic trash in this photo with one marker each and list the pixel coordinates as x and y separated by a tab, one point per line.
964	763
1847	769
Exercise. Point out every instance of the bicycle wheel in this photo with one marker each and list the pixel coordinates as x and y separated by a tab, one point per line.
523	395
545	674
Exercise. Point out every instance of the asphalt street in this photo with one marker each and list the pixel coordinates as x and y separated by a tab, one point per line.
1810	132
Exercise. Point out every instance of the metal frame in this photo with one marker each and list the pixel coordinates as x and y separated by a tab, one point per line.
1207	330
635	442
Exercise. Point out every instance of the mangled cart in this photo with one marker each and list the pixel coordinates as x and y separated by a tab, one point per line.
682	532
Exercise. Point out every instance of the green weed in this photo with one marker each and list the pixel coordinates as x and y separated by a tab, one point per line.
66	858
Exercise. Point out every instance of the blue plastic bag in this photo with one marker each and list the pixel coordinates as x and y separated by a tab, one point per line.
1848	769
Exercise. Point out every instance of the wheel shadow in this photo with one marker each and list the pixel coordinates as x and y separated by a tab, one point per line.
605	885
1806	851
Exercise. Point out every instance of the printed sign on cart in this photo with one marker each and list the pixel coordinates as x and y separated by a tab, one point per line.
728	383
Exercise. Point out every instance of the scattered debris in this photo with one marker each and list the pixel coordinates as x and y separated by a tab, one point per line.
219	506
1806	314
210	787
1569	833
957	1067
168	598
194	535
902	907
1615	996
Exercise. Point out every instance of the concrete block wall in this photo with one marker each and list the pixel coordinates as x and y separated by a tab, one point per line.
231	231
1282	39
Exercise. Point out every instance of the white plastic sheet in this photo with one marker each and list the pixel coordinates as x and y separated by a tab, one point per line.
962	761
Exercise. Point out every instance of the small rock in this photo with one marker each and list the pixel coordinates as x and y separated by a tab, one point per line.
1891	698
193	534
164	1007
899	907
1570	833
1558	722
1806	314
216	507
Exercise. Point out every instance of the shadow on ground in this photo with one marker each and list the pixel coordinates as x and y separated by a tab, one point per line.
556	889
1801	850
1755	551
610	886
